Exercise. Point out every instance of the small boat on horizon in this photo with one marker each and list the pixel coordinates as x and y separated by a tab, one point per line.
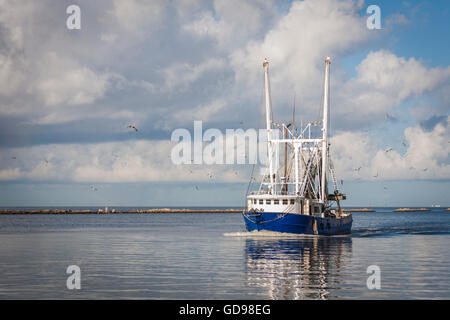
294	198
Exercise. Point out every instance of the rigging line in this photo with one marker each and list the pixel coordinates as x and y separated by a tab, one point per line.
257	137
270	96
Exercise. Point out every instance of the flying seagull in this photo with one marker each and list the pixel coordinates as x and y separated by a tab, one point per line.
387	150
133	127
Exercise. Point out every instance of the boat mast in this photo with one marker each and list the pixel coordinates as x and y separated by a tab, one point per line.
268	122
326	91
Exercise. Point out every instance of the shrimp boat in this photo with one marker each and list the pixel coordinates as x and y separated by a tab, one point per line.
294	198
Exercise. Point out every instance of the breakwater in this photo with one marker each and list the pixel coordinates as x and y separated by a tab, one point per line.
107	210
115	211
359	210
411	209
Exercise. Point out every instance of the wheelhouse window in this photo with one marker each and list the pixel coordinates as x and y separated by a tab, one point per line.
292	201
276	201
268	201
254	201
261	201
285	201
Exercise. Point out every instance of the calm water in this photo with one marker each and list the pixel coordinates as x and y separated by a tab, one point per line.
209	256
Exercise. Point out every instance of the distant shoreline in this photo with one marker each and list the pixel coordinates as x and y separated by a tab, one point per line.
117	211
121	210
411	209
153	210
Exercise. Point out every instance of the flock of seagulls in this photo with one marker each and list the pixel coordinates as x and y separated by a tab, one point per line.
211	176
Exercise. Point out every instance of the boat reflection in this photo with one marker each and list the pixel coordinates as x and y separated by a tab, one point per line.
297	268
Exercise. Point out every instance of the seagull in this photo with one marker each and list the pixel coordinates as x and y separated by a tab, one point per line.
13	158
196	188
357	169
387	150
93	188
132	127
404	143
425	169
385	188
387	116
376	176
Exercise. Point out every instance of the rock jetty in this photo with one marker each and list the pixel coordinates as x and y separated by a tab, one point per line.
411	209
359	210
115	211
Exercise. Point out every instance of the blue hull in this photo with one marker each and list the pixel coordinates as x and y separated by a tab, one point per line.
297	223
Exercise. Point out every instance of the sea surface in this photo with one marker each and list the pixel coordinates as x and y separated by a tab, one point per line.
211	256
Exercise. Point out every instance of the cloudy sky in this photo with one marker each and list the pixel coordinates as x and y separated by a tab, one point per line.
67	96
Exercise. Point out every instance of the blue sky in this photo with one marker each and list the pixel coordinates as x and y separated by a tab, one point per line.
67	96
